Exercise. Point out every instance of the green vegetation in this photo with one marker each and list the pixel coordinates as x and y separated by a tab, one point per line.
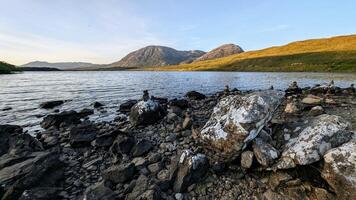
6	68
337	54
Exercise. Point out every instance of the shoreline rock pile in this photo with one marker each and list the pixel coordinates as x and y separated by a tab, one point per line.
265	145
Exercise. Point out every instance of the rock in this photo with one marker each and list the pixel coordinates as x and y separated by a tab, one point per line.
56	120
340	170
41	193
187	123
188	170
51	104
122	144
126	107
264	152
86	112
145	113
312	99
6	133
293	89
321	194
235	121
316	110
119	173
194	95
181	103
320	134
291	107
139	162
153	194
98	104
32	170
171	137
7	108
105	140
155	167
178	196
142	147
98	192
82	135
246	159
140	187
278	178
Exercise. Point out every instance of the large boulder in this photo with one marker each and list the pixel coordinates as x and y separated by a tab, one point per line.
340	170
82	135
63	118
318	136
188	169
119	173
235	121
194	95
126	106
141	147
146	112
51	104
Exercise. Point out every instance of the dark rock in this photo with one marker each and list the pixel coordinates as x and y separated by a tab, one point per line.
98	104
86	112
122	144
41	193
194	95
153	194
82	135
181	103
99	192
119	174
293	89
6	108
146	112
105	140
56	120
159	100
126	107
6	131
51	104
142	147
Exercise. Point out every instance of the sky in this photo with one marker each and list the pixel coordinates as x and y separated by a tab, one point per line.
103	31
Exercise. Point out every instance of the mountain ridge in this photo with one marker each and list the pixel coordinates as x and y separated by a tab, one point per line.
58	65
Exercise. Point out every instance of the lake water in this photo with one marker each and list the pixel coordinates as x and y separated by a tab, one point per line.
24	92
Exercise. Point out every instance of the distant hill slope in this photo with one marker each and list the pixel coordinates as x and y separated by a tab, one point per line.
328	54
221	51
156	56
59	65
6	68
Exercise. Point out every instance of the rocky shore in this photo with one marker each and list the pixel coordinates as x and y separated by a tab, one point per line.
293	144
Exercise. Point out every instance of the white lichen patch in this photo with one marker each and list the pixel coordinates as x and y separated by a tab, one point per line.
312	141
146	106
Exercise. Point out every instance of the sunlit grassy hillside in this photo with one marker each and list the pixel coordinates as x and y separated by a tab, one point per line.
6	68
329	54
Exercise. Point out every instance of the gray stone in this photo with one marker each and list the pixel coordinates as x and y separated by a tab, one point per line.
264	152
246	159
119	174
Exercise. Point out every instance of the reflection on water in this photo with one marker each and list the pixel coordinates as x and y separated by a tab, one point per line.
25	91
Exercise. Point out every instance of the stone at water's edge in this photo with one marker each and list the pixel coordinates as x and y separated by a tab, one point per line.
145	113
318	136
340	170
235	121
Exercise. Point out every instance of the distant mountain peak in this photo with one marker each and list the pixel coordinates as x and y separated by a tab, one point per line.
58	65
221	51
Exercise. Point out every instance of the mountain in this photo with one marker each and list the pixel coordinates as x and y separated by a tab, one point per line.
6	68
326	54
156	56
59	65
222	51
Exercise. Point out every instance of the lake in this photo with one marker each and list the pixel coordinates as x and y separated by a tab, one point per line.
24	92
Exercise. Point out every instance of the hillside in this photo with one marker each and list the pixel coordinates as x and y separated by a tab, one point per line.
58	65
6	68
156	56
221	51
328	54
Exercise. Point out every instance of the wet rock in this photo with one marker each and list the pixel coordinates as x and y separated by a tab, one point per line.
63	118
126	107
6	133
320	134
86	112
194	95
41	193
82	135
27	172
312	99
51	104
316	110
188	170
98	104
340	170
145	113
122	144
246	159
264	152
119	173
98	191
235	121
142	147
181	103
7	108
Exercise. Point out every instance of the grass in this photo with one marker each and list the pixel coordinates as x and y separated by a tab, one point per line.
6	68
336	54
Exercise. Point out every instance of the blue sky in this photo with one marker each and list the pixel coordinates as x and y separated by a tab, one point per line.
103	31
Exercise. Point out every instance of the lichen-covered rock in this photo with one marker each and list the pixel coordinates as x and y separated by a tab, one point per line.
264	152
319	135
312	99
246	159
340	170
145	113
236	120
188	169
